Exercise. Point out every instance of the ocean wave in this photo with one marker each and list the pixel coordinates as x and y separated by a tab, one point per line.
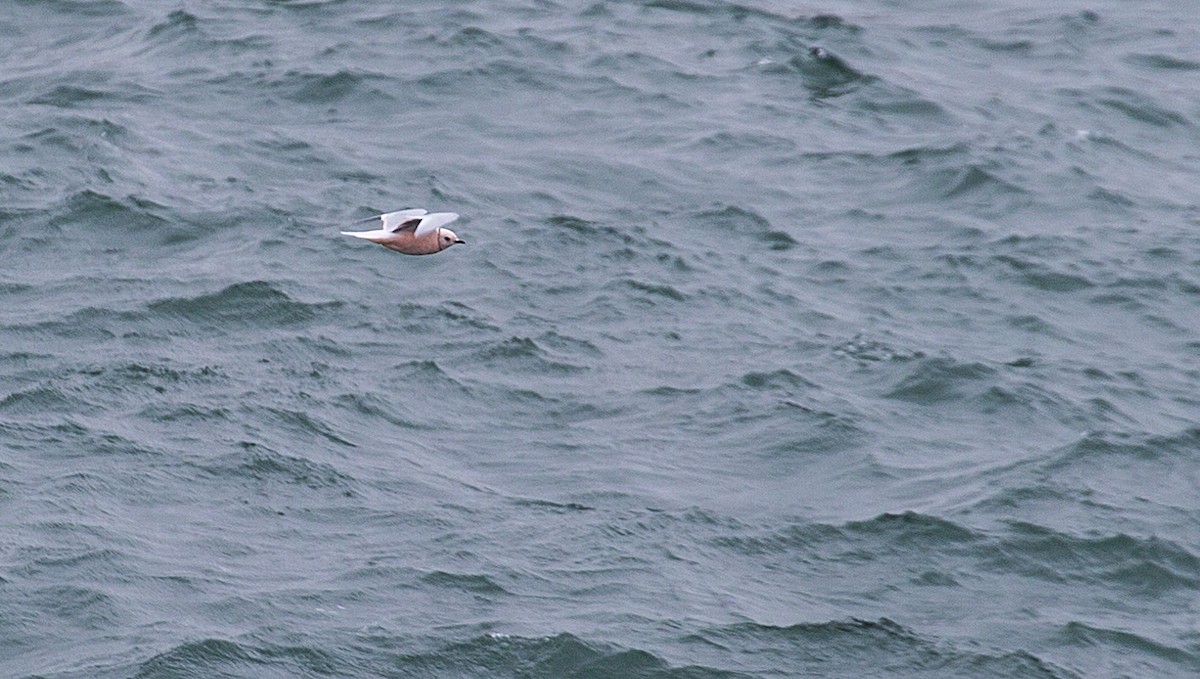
73	606
256	463
446	320
525	354
749	141
752	13
66	96
1125	447
185	414
106	215
1166	62
858	647
585	231
560	655
377	407
96	8
300	424
465	582
95	389
1120	560
1100	474
568	344
489	655
177	22
651	293
825	75
770	419
181	33
1042	277
1083	638
108	563
253	302
84	389
937	549
914	530
41	400
937	174
734	219
222	657
868	349
357	89
782	378
429	373
87	92
310	88
1138	106
936	380
496	75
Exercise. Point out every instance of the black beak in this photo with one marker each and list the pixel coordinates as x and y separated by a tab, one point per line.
461	241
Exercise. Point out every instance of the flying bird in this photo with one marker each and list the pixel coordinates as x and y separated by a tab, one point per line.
412	232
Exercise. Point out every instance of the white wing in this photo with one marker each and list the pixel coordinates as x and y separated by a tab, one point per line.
377	233
393	220
433	222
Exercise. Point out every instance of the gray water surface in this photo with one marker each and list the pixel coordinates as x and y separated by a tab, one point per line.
854	339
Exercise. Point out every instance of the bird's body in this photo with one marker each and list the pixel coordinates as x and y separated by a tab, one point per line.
411	232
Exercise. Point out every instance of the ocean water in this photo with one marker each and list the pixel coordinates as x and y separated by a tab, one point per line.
842	339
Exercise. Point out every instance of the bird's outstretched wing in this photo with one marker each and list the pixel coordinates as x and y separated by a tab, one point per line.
394	221
433	222
420	221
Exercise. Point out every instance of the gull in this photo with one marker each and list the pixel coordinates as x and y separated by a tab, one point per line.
412	232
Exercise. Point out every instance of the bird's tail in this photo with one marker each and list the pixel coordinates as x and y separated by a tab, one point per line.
377	233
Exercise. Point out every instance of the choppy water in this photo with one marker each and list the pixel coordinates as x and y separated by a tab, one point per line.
790	339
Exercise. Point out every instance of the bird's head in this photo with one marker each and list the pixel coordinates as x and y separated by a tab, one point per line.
446	238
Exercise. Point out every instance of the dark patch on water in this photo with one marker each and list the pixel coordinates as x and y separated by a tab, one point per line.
825	75
1140	108
1118	642
782	378
77	606
178	21
1165	62
66	96
472	583
652	290
256	302
96	211
935	380
561	655
309	88
823	648
524	352
220	657
258	464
